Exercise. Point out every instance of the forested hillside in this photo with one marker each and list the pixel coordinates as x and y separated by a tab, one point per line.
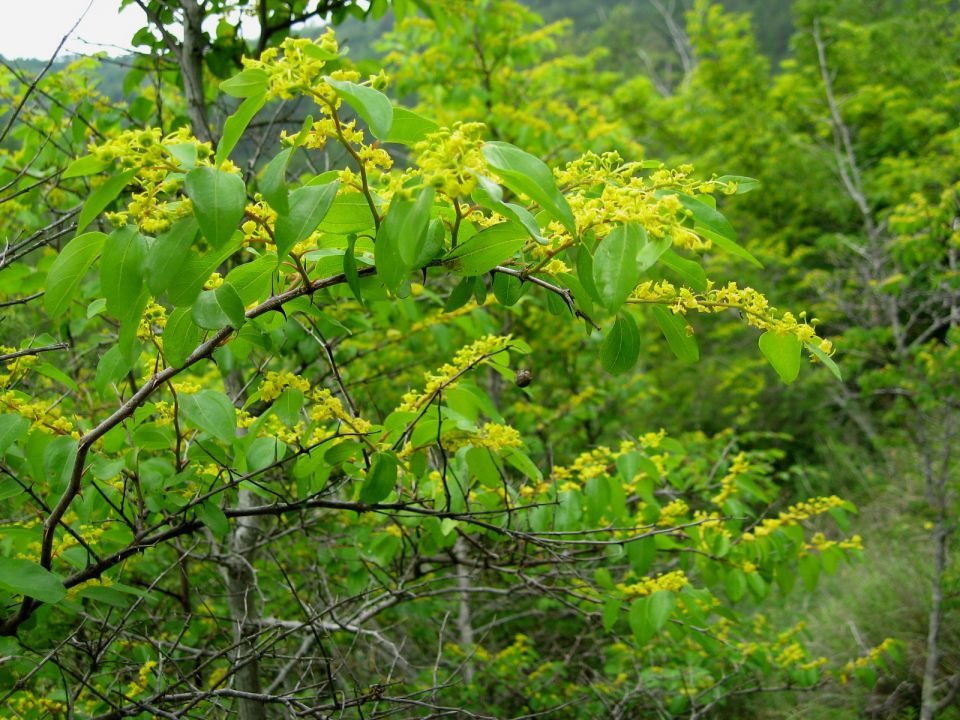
484	359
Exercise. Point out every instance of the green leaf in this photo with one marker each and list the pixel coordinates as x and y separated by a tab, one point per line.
809	568
168	255
615	269
508	289
27	578
288	405
611	612
215	309
412	226
12	428
219	201
711	224
266	451
235	125
350	213
212	412
121	270
408	128
180	336
112	366
246	83
210	514
744	184
783	352
651	250
825	359
308	206
68	270
184	153
184	287
460	295
372	105
350	268
490	195
676	331
55	373
649	614
273	184
484	467
101	197
522	463
585	273
58	460
254	279
642	553
487	249
523	173
690	272
621	346
402	237
381	479
597	493
661	604
736	584
86	165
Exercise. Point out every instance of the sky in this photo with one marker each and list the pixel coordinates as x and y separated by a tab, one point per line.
34	28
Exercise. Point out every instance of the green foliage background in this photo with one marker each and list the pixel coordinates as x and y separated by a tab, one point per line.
690	462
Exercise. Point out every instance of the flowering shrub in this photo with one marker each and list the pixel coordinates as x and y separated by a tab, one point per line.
323	357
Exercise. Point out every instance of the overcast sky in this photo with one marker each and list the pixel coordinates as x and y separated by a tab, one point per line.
33	28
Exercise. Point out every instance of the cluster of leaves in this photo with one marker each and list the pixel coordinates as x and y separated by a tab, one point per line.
293	400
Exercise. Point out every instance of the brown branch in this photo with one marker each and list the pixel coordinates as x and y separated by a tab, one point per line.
33	351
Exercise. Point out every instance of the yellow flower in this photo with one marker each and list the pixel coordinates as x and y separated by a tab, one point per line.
450	158
276	382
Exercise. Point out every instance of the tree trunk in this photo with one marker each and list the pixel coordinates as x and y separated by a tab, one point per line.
191	65
245	609
464	618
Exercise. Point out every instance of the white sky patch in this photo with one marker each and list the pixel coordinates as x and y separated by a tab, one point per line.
34	28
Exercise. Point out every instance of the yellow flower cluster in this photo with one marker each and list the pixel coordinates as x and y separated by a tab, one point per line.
605	192
258	229
519	648
299	64
154	316
784	650
794	515
652	440
590	464
143	679
90	533
27	703
16	368
871	658
674	580
592	169
820	543
790	655
449	158
492	436
214	281
147	152
44	418
752	304
465	358
728	485
276	382
92	582
326	406
672	513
